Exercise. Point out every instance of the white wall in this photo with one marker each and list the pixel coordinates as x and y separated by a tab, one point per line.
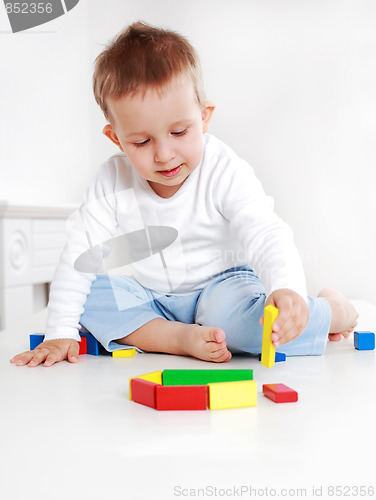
44	109
294	84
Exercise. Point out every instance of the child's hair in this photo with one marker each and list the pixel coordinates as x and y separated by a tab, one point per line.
141	57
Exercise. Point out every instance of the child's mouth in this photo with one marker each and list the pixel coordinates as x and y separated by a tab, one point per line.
171	173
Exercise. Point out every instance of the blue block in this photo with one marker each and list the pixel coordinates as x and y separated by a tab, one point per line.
92	344
35	340
279	356
364	341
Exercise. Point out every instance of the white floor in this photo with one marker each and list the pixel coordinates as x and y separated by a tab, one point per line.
70	431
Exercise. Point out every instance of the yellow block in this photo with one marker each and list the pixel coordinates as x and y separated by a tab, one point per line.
232	394
124	353
155	377
268	349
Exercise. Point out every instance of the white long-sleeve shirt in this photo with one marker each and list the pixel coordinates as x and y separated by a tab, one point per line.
218	219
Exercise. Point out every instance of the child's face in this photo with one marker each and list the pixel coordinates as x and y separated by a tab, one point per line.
161	133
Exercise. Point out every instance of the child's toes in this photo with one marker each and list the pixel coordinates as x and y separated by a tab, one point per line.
219	335
226	356
221	356
214	349
214	335
218	347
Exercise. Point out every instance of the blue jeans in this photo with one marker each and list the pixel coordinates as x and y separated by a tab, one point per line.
233	300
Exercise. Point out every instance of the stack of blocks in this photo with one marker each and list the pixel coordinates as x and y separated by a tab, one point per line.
199	389
194	389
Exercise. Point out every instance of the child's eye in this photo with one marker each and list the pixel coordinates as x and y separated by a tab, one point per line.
180	133
141	144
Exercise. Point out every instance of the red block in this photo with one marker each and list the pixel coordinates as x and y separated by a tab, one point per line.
83	346
280	393
143	391
181	397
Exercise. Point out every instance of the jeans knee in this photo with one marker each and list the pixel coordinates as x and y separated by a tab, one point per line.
116	293
230	311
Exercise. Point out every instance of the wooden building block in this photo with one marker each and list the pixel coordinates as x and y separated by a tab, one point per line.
279	356
35	340
155	377
280	393
83	346
181	397
203	377
124	353
268	349
92	344
143	392
364	341
232	394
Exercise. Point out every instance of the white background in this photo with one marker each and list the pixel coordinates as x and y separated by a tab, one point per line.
294	82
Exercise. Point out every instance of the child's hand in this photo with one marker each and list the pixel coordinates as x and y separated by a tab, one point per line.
49	352
292	317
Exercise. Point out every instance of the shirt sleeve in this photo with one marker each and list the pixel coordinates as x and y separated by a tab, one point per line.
266	239
92	224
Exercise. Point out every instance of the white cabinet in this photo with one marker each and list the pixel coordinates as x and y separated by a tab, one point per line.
31	240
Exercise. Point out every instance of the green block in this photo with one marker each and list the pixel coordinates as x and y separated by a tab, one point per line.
203	377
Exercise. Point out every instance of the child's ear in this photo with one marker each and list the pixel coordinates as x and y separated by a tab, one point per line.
206	114
109	132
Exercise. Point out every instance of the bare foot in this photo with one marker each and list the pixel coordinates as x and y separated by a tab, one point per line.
205	342
344	314
161	335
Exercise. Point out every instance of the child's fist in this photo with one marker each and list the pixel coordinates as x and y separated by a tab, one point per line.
293	315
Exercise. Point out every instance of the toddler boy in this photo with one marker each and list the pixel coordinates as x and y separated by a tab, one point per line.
193	248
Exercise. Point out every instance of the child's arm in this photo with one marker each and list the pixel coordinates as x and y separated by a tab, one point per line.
293	315
268	242
49	352
93	223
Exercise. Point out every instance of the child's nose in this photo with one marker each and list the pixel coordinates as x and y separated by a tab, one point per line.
164	152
